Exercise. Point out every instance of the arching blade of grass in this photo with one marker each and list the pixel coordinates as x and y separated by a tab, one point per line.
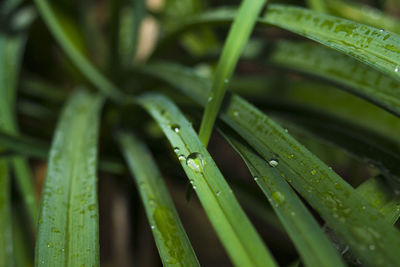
376	48
352	217
364	14
311	242
357	78
237	38
240	239
6	242
68	222
361	142
171	240
352	109
81	62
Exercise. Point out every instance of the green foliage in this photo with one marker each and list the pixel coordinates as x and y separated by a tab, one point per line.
295	106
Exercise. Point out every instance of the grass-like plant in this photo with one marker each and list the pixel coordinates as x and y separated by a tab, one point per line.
90	92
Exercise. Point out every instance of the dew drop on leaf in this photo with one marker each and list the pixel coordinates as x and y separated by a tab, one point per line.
273	163
195	161
176	128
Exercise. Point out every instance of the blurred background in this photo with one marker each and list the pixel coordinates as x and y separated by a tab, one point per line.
101	30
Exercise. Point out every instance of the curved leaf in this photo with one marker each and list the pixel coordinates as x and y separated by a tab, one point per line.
363	14
357	78
377	48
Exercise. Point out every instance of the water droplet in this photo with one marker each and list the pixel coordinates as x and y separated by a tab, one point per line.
236	113
176	150
153	227
218	193
396	69
255	178
50	245
273	163
195	161
371	247
175	127
194	187
210	98
181	157
278	197
313	172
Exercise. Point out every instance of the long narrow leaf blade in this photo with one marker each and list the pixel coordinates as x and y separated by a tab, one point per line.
309	239
240	239
238	35
364	14
68	222
354	76
171	239
352	217
377	48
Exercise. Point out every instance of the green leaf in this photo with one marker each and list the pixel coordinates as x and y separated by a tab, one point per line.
352	217
377	48
350	74
311	242
237	234
130	21
234	45
380	196
68	224
364	14
72	51
171	240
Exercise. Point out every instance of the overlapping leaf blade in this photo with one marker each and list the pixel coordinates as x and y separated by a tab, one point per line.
338	68
309	239
375	47
171	240
237	234
68	223
352	217
237	38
